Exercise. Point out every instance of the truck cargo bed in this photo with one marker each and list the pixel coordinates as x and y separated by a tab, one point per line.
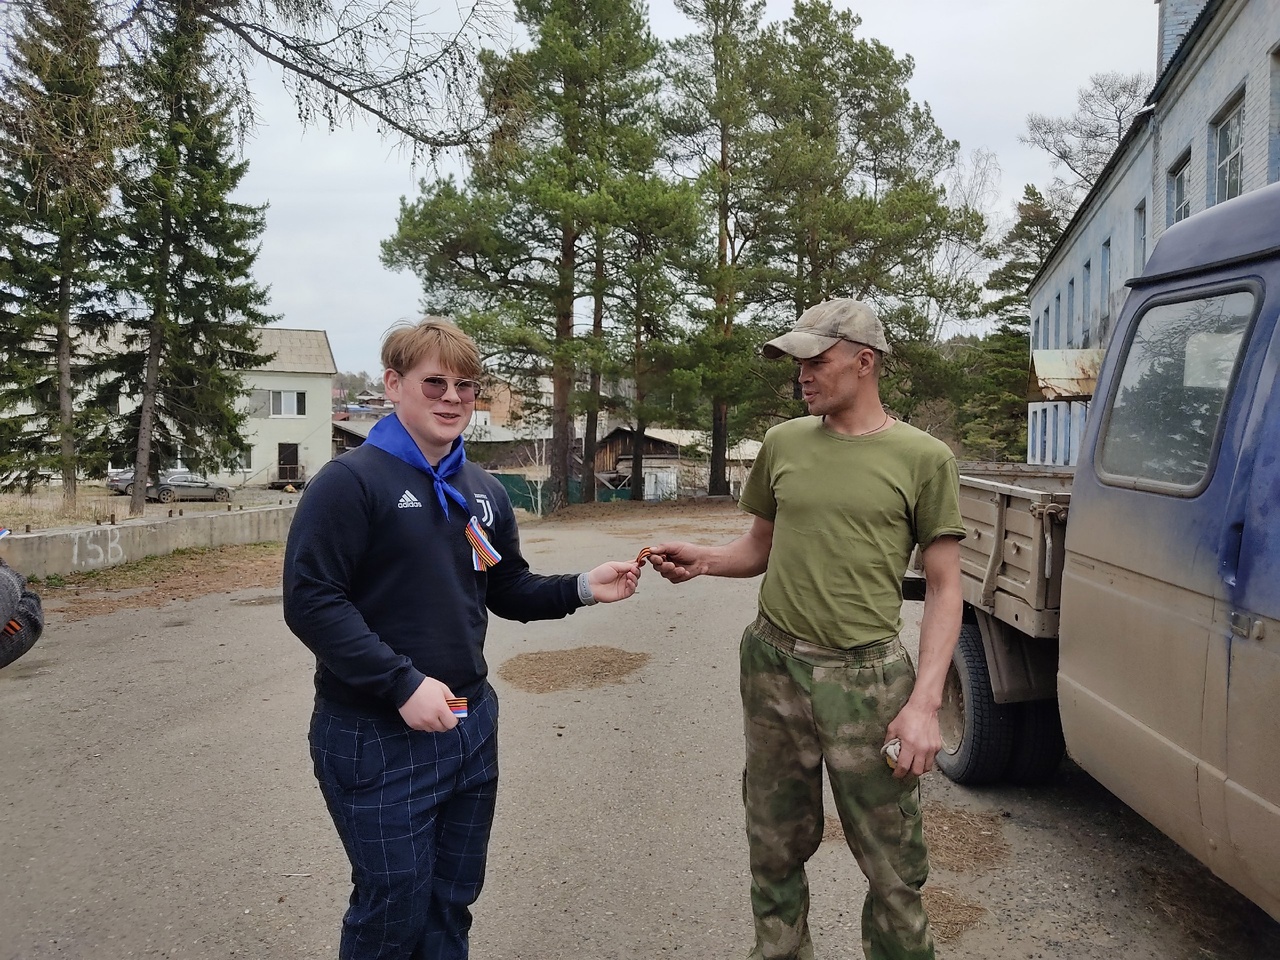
1011	559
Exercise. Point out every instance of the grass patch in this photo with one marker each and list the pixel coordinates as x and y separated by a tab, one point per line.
155	581
577	669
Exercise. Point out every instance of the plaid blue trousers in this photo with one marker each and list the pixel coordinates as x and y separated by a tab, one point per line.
414	810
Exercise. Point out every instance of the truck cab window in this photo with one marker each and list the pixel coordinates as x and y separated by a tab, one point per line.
1174	383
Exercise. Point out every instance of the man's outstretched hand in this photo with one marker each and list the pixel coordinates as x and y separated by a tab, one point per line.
678	561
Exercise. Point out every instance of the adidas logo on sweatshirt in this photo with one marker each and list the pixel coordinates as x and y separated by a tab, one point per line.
409	500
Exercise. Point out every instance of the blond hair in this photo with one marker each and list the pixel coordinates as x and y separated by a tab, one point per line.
405	346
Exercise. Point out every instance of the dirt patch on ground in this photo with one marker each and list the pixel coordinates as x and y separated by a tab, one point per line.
958	841
1220	916
577	669
155	581
950	914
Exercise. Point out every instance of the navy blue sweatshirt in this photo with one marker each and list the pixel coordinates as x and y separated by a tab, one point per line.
383	588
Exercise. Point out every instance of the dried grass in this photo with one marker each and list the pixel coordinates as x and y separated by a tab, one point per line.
950	914
960	840
156	581
580	668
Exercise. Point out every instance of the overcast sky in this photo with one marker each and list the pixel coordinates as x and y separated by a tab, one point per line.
982	65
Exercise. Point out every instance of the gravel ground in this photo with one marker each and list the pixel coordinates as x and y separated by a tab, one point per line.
157	799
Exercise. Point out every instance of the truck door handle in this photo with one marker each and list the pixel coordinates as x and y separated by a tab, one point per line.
1247	627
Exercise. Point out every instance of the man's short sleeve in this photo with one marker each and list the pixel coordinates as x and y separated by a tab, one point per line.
937	510
757	494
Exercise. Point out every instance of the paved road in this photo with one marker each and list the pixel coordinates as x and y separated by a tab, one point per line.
156	801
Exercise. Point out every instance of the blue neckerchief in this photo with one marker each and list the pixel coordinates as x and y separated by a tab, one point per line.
390	435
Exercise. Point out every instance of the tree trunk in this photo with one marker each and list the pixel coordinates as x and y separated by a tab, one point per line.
151	386
718	482
562	373
66	412
637	462
146	420
590	435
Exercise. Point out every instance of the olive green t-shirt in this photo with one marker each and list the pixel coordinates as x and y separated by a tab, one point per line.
847	512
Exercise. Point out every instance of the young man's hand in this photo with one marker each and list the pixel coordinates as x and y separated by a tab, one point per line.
614	580
679	562
427	710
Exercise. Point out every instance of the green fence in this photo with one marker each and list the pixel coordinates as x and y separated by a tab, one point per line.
524	492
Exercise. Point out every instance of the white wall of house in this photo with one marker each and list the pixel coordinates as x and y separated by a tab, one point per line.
273	420
1168	170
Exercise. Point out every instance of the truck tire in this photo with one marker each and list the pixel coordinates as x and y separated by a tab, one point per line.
1038	746
977	732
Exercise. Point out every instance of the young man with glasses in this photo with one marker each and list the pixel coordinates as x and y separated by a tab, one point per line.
396	554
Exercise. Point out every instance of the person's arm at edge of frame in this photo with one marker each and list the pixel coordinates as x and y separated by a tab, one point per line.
747	556
916	725
27	615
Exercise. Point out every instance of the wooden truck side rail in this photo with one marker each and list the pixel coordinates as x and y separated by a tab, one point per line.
1011	558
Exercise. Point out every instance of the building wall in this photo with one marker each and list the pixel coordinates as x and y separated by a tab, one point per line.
1239	55
1235	57
313	433
1108	241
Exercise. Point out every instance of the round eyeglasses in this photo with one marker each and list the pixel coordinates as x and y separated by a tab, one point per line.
434	388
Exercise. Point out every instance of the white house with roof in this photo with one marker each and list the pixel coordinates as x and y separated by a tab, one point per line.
288	401
1210	130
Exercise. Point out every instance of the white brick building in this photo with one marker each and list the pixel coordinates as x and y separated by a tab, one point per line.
1210	131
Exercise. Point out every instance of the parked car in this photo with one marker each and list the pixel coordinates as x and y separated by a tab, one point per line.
187	486
121	482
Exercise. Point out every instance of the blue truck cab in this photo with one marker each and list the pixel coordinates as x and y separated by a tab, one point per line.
1152	617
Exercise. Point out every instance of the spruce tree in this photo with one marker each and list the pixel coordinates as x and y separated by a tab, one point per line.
188	266
59	127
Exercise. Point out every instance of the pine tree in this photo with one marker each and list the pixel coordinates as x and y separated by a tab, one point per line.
59	128
993	419
853	177
512	249
191	253
711	137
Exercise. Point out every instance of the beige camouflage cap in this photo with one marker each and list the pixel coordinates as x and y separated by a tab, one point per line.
824	324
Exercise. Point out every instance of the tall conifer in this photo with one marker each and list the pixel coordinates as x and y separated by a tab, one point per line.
188	267
59	127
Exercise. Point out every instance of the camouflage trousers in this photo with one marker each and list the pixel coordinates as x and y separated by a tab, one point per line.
804	706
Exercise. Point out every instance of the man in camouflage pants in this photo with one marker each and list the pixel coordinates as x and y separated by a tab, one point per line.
839	501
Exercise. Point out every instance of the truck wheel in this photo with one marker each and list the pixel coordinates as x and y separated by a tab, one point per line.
977	732
1037	743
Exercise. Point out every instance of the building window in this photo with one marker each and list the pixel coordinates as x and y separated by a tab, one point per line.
1179	196
1035	333
1229	140
1104	283
1178	368
288	403
1071	312
1086	298
1044	436
1044	344
1057	321
1139	237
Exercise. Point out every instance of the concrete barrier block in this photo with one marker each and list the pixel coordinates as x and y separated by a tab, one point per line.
73	549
